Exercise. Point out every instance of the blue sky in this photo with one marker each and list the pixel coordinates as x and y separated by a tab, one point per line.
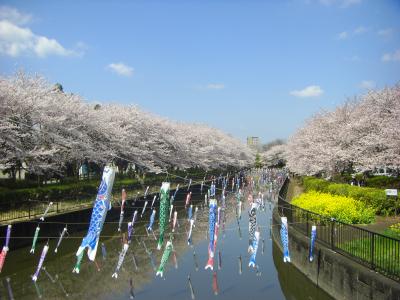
255	68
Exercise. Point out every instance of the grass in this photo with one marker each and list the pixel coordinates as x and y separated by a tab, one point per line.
386	256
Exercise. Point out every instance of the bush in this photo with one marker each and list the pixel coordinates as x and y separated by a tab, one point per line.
315	184
344	209
393	231
375	198
383	182
64	192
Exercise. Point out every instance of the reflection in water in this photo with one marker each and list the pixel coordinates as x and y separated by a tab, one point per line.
240	264
191	288
215	283
131	292
293	282
183	277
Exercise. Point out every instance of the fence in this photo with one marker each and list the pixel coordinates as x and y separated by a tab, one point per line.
13	211
376	251
34	209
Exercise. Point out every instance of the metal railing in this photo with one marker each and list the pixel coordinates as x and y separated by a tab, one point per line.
14	211
375	251
34	209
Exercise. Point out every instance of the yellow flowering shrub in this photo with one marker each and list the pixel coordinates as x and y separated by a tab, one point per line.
344	209
395	228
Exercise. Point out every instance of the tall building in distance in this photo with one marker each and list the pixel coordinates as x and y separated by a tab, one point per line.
253	141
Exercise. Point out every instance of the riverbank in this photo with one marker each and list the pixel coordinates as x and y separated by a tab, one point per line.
338	275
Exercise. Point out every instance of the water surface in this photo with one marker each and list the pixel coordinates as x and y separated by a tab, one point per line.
271	279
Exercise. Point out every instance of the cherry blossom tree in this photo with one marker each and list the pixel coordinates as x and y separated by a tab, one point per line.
49	131
275	155
363	133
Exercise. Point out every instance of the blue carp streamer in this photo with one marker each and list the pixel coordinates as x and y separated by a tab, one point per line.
101	205
285	239
256	240
313	237
190	212
152	217
212	190
211	226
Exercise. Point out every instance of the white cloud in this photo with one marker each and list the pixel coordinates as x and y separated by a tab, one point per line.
215	86
343	35
367	84
386	33
360	30
395	56
121	69
16	40
14	16
309	91
348	34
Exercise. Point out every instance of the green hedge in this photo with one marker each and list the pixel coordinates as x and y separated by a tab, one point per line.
383	182
65	192
372	197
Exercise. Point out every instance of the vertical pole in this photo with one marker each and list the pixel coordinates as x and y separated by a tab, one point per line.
372	251
332	234
29	209
307	223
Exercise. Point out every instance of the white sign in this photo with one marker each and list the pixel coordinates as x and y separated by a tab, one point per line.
391	192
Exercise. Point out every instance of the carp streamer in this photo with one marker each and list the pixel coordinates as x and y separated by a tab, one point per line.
46	211
211	228
152	217
164	212
77	267
41	260
121	215
101	205
164	258
61	238
5	249
252	225
285	239
189	239
313	237
35	237
120	259
252	262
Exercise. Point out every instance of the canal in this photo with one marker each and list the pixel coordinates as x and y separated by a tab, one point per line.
231	278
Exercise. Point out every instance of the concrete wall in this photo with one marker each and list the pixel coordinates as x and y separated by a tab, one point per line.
337	275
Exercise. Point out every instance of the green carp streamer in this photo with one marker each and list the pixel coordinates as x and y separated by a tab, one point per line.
164	258
35	239
164	212
77	267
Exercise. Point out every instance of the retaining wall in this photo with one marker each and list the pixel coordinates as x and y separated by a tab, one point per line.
336	274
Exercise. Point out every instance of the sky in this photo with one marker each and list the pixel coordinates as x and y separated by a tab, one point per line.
250	68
